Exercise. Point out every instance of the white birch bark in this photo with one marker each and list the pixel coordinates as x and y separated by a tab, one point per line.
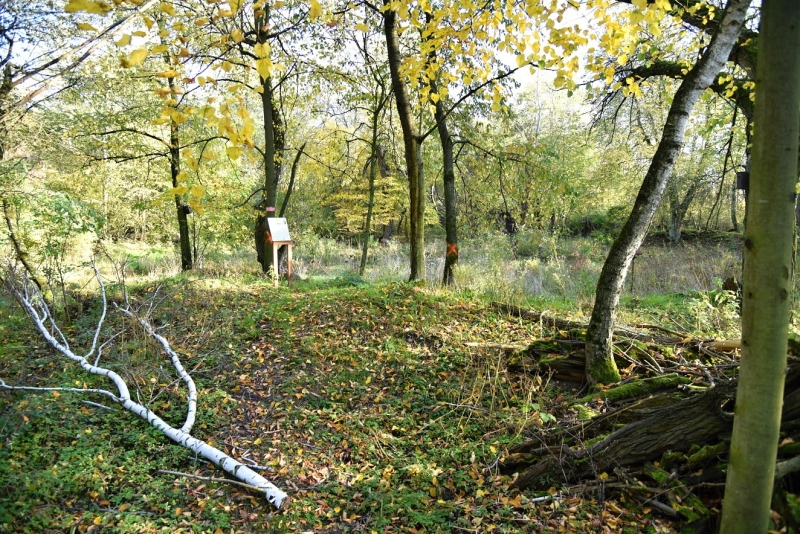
33	303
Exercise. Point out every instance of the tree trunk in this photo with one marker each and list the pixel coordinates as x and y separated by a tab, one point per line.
290	187
768	267
600	366
373	169
678	209
639	432
449	176
180	208
272	137
412	144
734	205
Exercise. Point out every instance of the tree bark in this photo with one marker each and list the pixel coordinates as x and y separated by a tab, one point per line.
768	266
678	209
180	208
412	145
373	169
600	366
272	138
449	177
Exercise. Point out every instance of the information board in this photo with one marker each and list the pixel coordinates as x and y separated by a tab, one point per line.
278	229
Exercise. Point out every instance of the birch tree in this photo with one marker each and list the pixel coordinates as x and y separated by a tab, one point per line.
600	366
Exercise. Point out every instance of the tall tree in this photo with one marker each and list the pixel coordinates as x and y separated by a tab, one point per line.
768	270
412	144
600	366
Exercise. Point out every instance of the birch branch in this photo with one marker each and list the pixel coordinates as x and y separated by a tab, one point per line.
33	303
191	411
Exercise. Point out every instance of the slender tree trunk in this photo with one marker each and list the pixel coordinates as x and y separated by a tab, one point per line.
600	366
677	211
22	255
450	211
180	209
271	138
290	187
373	169
412	143
768	267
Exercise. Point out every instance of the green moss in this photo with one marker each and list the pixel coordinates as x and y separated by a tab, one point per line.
786	451
604	371
656	473
670	459
706	453
692	508
639	388
577	333
584	412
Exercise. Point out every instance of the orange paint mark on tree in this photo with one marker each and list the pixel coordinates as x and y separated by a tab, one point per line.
452	250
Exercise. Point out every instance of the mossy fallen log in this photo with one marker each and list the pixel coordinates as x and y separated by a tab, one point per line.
638	388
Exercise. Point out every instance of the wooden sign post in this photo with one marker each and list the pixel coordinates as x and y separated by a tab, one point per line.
277	236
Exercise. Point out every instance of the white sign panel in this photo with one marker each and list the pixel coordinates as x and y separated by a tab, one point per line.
278	229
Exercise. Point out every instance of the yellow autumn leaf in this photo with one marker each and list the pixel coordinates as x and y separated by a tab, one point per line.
148	22
237	36
167	8
315	10
362	27
98	8
257	441
182	176
192	163
226	66
197	191
125	40
248	129
262	50
180	190
159	49
234	152
521	60
139	33
171	73
85	26
622	60
236	5
136	58
56	394
196	206
264	68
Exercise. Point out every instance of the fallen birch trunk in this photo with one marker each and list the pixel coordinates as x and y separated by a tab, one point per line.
31	300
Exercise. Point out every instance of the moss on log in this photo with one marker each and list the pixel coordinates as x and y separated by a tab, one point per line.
638	388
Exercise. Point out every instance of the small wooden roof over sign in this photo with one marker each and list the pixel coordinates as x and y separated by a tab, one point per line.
278	229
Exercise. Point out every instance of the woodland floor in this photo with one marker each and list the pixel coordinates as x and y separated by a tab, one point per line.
364	401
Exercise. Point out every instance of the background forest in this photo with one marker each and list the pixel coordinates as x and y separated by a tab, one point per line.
493	153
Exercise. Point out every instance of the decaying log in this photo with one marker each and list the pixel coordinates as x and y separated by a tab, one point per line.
648	432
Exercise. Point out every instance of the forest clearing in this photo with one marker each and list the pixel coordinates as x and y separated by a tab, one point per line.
408	266
377	406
